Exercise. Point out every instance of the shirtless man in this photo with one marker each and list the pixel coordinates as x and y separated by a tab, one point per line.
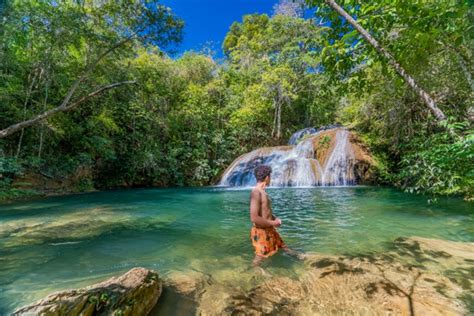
265	238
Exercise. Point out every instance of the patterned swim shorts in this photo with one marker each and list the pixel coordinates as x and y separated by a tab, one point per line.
266	241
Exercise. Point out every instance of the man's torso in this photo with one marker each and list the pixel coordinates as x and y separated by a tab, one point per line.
265	209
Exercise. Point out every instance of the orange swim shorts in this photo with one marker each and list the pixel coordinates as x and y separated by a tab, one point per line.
266	241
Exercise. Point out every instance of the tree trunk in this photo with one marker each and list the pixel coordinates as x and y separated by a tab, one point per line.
274	116
465	70
45	101
429	101
62	108
278	128
278	135
27	98
463	62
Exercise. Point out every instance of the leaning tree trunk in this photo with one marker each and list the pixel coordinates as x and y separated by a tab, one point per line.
65	106
62	108
430	103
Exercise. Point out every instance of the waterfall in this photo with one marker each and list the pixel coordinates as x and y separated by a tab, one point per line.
309	131
300	134
339	167
297	166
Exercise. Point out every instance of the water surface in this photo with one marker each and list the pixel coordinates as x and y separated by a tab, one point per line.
73	241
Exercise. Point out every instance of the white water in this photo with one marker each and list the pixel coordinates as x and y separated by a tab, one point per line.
339	168
295	166
300	134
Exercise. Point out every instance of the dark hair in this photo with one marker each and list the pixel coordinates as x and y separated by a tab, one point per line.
261	172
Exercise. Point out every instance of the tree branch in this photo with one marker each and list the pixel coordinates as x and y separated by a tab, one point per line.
62	108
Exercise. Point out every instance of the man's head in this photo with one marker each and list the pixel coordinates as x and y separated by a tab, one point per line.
262	173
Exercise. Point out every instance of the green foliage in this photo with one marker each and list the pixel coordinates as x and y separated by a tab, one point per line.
324	142
187	118
429	40
10	168
440	164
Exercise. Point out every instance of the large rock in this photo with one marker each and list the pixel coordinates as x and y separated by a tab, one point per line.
360	167
134	293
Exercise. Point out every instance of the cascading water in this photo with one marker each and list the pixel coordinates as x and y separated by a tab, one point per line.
309	131
300	134
297	165
339	167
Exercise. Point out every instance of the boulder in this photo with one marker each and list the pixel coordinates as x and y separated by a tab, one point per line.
133	293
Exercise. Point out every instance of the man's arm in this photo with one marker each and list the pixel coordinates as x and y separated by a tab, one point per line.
255	203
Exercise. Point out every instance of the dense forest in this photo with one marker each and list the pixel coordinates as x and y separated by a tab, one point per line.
111	105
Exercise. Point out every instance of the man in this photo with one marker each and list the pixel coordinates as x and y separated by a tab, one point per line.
265	238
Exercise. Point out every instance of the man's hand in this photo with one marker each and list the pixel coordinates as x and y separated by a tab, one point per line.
277	222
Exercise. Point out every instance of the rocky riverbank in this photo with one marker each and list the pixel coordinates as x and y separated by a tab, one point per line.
418	276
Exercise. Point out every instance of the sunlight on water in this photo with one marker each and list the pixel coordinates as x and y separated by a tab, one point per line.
73	241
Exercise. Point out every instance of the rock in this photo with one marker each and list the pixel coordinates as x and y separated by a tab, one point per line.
390	283
298	135
187	284
453	259
133	293
361	168
328	156
75	226
416	276
180	291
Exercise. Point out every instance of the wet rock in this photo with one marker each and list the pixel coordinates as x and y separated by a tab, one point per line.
189	283
375	286
134	293
75	226
180	292
332	156
298	135
418	276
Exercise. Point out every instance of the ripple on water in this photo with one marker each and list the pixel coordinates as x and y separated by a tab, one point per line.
67	242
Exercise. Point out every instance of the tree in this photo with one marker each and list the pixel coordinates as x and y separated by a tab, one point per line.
128	21
291	8
428	100
280	85
279	58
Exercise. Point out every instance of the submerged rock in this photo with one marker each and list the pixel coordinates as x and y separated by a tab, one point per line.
75	226
416	276
134	293
392	283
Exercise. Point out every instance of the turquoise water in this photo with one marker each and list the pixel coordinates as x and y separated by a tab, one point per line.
72	241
